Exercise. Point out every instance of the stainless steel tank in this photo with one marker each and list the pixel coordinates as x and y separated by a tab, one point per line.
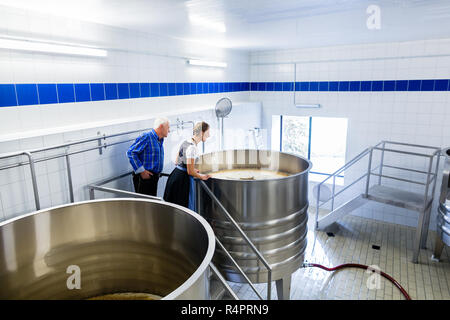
112	246
443	217
272	213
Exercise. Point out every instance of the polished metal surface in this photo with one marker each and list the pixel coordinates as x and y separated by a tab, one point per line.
272	212
443	218
223	107
119	245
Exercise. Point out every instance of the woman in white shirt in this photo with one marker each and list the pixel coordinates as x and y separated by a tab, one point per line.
180	187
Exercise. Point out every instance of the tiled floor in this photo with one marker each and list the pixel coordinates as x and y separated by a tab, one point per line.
353	242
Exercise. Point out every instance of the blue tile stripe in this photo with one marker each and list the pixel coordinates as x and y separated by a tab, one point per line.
35	94
360	86
48	93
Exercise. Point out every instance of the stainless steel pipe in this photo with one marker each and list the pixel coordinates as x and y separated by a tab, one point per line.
119	245
272	212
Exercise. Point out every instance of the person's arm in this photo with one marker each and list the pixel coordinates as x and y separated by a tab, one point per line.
194	172
134	153
191	154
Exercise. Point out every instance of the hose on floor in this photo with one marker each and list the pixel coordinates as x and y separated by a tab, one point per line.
360	266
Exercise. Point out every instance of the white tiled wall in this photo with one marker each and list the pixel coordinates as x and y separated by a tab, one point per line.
411	117
132	57
16	192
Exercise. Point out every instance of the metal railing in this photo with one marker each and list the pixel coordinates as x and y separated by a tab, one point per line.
381	146
249	242
66	154
334	175
99	187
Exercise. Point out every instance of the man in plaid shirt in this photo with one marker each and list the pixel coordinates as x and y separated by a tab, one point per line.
146	156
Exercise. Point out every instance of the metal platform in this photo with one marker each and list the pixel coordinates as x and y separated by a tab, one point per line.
398	198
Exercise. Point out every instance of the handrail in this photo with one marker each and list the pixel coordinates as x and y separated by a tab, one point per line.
344	167
67	144
223	281
98	186
345	188
347	165
410	145
399	179
31	161
238	268
100	146
404	152
120	192
244	236
405	169
123	175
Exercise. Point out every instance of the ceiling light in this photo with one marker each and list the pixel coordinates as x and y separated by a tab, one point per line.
207	23
205	63
37	46
299	105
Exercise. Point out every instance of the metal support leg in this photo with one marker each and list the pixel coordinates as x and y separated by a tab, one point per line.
33	180
284	288
369	171
69	179
198	190
91	193
381	164
426	226
439	246
418	238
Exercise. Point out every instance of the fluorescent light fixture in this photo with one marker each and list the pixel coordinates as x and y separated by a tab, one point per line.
207	23
307	105
37	46
205	63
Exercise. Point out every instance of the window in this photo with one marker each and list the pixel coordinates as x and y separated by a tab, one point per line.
321	140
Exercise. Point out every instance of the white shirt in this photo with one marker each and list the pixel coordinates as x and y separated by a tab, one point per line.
192	152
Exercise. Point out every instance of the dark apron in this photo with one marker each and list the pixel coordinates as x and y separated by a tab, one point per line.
180	188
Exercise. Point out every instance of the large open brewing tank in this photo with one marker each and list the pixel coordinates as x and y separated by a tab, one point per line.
443	217
271	211
119	245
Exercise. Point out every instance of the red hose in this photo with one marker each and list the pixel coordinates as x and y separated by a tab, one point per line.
361	266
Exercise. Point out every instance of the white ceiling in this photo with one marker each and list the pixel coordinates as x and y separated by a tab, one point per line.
260	24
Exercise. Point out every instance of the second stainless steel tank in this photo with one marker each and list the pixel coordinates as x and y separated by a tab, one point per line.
94	248
272	212
443	217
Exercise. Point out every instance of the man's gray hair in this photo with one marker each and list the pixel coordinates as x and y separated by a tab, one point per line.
159	121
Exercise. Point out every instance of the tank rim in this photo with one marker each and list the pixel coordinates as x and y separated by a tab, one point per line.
306	171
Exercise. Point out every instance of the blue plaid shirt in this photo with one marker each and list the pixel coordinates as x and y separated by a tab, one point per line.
147	153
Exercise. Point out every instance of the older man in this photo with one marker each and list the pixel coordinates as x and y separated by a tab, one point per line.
146	156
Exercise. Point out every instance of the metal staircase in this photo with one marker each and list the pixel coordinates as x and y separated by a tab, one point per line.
381	192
